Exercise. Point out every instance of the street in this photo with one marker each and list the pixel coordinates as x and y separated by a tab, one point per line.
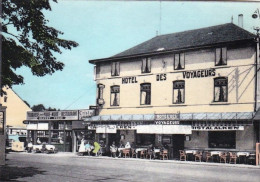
72	168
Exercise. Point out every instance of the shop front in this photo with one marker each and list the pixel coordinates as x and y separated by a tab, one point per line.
53	127
175	132
141	131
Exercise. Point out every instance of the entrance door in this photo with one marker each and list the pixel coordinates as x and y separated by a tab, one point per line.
177	144
114	137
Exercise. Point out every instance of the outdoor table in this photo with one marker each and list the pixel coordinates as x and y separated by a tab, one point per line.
216	153
156	150
140	149
190	153
243	156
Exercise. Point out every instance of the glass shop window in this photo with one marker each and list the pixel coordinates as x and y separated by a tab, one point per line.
221	56
179	61
178	92
114	99
145	139
220	89
222	139
115	69
145	94
146	65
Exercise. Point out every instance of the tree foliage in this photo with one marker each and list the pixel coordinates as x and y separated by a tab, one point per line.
41	107
28	41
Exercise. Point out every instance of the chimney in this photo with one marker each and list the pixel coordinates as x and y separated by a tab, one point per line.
240	20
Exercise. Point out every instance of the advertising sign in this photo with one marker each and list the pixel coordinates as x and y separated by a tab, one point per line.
86	113
1	123
53	115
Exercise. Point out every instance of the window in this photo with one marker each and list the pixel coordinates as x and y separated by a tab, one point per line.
221	56
96	72
115	69
178	92
145	94
145	139
179	61
146	65
222	139
114	99
220	89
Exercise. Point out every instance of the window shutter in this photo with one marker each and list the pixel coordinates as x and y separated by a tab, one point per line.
182	60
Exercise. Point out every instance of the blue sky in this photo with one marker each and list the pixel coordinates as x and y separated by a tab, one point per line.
105	28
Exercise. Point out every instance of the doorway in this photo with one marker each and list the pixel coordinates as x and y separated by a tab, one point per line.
177	144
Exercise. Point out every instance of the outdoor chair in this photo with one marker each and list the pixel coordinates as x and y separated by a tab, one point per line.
142	154
198	156
208	156
182	155
126	152
133	152
164	154
149	153
233	158
223	157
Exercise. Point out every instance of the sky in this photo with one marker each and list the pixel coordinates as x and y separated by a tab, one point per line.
105	28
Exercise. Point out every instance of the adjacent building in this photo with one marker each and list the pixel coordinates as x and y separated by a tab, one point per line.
197	89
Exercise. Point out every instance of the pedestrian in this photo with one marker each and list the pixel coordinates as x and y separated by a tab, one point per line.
96	148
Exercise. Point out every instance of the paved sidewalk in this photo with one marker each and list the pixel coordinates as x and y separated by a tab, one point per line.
70	154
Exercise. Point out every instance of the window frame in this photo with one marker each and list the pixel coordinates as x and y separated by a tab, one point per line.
180	81
215	136
147	61
222	56
114	92
179	61
214	85
142	89
115	65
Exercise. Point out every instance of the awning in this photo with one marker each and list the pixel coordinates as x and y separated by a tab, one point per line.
257	115
183	117
164	129
106	129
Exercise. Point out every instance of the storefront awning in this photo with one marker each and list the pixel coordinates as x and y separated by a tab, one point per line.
182	117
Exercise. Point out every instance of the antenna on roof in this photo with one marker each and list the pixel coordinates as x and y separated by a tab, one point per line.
232	19
160	17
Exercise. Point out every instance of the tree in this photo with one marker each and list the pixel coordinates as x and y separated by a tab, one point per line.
28	41
39	107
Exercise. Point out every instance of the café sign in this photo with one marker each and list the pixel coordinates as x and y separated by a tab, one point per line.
217	128
85	113
53	115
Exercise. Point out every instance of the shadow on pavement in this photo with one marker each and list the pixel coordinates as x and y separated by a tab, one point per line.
11	173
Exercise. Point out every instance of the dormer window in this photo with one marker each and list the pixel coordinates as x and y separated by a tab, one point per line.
179	61
115	69
146	65
221	56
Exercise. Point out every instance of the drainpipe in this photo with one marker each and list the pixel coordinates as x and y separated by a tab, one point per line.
256	70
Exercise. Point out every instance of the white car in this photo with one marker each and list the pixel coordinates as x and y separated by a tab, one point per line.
47	149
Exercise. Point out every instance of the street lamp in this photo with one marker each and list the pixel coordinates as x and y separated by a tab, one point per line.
256	14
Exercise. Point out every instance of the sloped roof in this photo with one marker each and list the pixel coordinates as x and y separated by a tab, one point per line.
188	39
